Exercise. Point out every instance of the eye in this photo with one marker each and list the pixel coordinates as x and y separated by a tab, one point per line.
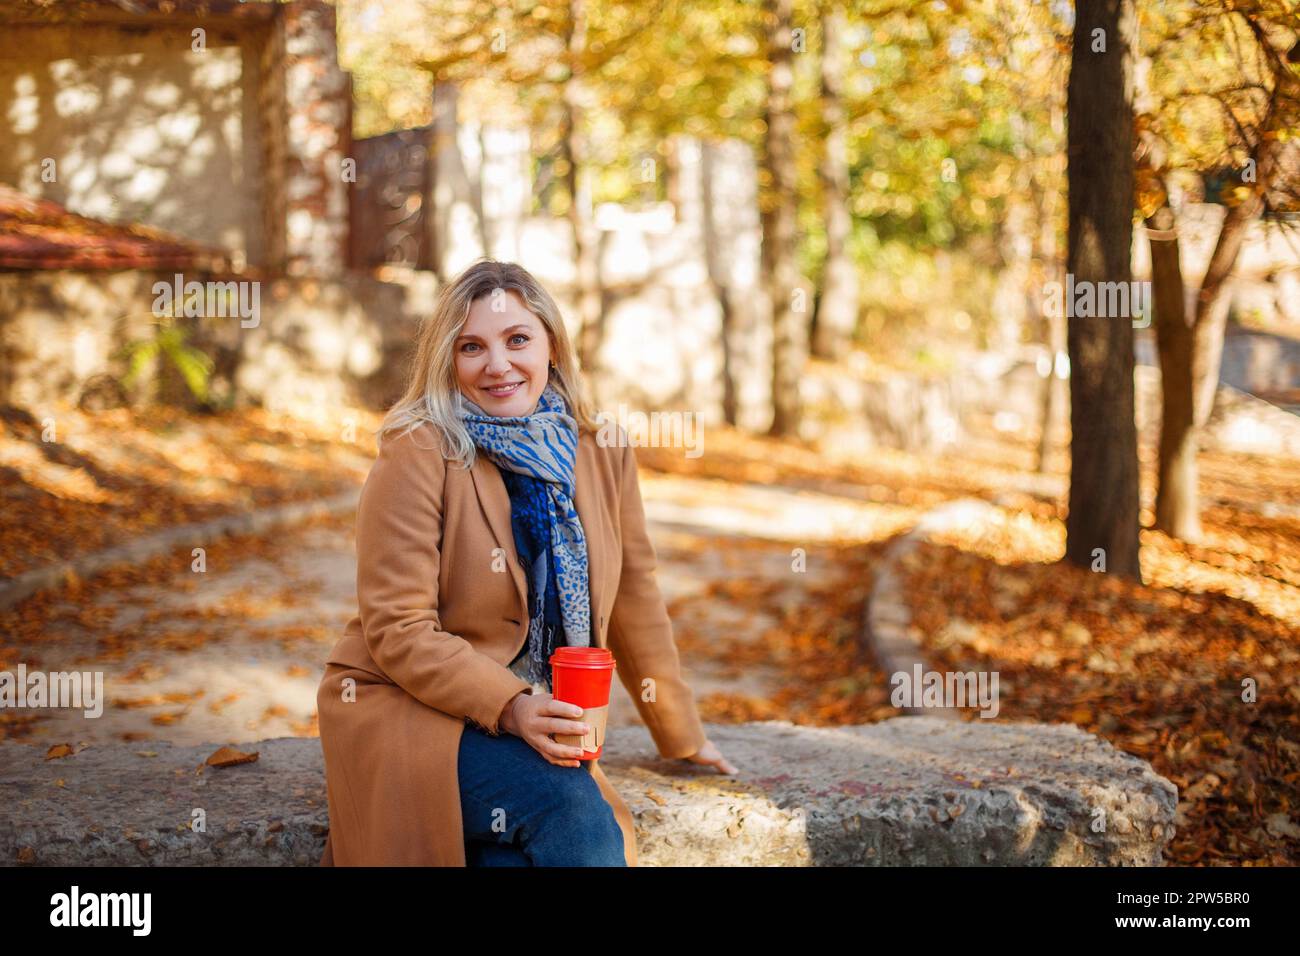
520	335
467	345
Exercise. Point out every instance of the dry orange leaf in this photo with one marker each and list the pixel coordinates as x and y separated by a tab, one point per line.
229	756
58	750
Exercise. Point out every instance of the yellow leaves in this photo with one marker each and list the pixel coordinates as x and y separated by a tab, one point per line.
156	700
59	750
217	706
1081	716
142	672
1237	195
1149	190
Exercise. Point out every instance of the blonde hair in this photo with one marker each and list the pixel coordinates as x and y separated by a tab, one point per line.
432	384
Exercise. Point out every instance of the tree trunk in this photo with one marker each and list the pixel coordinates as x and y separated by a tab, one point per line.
1213	300
1177	513
1047	188
442	157
586	251
837	307
1190	354
1015	248
1053	397
777	205
721	284
1102	526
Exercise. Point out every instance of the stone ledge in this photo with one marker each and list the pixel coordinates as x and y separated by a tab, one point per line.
887	633
914	790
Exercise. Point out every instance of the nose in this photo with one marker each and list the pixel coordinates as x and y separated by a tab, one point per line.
498	364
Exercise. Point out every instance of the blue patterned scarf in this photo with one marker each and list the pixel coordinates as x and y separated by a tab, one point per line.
536	455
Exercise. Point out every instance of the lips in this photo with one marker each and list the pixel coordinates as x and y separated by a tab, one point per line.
504	392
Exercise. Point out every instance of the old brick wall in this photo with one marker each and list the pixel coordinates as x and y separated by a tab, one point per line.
316	111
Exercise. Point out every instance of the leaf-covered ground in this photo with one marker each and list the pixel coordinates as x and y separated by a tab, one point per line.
1202	681
767	551
1158	670
74	482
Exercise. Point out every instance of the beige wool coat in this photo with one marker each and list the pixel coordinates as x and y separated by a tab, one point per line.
437	626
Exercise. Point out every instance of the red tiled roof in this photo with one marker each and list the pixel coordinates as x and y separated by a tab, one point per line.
118	11
40	234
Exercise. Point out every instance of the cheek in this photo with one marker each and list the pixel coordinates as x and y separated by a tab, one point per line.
466	367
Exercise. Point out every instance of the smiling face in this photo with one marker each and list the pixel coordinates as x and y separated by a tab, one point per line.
508	347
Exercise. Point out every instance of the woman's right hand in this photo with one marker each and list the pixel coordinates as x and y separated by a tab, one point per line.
534	717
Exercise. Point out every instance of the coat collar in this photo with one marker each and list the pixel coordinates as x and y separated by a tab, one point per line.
491	490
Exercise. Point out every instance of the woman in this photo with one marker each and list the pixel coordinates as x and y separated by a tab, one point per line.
493	527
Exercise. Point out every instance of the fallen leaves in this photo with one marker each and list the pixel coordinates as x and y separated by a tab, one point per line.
1157	670
1160	674
155	700
229	757
115	475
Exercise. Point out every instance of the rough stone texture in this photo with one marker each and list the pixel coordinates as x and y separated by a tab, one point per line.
273	127
316	97
908	791
315	343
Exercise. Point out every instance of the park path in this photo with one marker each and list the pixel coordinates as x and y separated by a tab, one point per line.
234	655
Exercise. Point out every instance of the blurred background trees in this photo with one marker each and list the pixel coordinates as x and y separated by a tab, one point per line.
912	172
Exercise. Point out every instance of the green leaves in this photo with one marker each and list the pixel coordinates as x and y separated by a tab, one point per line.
169	343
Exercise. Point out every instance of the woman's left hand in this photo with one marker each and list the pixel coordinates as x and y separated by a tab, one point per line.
709	754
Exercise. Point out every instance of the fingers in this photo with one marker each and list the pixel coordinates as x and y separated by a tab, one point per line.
556	717
550	707
562	755
567	757
574	728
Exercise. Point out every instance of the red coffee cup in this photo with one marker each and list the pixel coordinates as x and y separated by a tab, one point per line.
582	676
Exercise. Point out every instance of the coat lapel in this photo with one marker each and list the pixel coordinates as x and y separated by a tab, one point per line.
587	501
495	500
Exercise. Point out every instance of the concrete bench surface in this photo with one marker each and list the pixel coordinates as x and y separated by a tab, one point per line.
915	790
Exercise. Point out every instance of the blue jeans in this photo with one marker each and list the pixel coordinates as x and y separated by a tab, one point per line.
544	815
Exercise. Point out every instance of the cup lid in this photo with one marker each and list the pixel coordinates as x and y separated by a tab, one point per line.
582	657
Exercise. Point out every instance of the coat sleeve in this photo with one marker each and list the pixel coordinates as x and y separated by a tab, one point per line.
641	633
399	530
